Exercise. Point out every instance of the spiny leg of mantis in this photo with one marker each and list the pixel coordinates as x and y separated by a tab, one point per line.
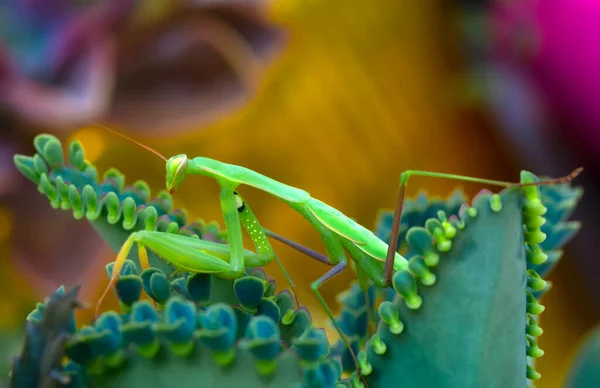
393	243
260	240
193	254
231	216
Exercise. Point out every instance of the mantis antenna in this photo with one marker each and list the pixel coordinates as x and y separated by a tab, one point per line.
155	152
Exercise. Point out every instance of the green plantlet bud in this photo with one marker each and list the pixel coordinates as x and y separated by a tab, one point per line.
534	281
533	350
449	229
533	329
472	212
378	345
405	284
535	255
532	374
365	367
496	203
391	316
534	236
533	306
418	267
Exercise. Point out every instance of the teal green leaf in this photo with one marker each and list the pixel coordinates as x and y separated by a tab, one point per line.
474	316
584	372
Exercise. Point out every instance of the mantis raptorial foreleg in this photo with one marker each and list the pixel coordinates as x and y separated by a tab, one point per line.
234	232
259	239
196	255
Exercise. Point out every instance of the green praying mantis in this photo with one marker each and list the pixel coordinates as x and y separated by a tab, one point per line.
374	260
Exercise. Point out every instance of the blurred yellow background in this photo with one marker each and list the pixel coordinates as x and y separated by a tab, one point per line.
361	94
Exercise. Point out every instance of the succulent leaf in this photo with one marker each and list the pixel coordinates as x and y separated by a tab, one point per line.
114	209
585	369
478	276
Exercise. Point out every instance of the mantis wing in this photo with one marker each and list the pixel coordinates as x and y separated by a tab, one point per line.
338	222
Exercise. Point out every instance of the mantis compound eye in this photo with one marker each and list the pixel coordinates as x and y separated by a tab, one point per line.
239	203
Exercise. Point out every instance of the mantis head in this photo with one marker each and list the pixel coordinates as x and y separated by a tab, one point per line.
176	172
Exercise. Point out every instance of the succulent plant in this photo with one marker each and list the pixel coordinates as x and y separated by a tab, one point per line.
259	318
464	313
113	209
49	328
199	330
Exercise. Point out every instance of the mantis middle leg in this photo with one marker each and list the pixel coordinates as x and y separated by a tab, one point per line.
300	248
337	257
333	244
331	241
339	268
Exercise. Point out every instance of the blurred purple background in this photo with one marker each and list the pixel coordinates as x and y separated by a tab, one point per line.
536	65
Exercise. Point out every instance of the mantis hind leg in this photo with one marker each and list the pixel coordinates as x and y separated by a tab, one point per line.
393	243
404	177
315	287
